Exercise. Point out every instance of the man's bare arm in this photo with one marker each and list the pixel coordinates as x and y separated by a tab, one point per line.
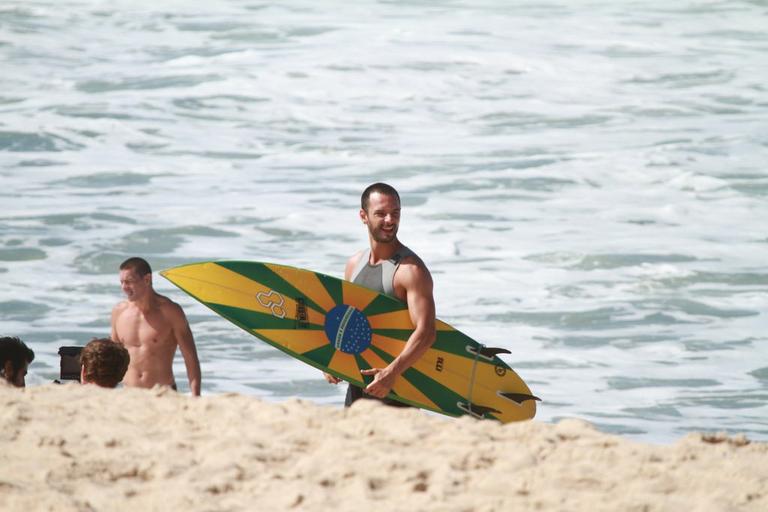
421	307
113	323
186	342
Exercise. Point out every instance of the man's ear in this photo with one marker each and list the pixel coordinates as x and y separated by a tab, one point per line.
82	374
363	216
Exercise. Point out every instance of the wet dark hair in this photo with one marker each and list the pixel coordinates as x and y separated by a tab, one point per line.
138	265
381	188
104	362
14	350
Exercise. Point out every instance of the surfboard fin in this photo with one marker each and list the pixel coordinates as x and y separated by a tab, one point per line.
487	352
478	411
519	398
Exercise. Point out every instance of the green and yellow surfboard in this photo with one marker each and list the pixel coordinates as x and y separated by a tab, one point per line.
341	328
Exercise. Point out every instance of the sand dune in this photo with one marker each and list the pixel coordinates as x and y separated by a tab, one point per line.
82	448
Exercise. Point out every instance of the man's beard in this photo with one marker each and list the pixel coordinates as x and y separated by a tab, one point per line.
382	237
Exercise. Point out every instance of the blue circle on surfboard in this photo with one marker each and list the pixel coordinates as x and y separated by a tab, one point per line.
347	329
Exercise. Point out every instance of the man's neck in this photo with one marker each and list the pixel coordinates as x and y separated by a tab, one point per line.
146	303
381	251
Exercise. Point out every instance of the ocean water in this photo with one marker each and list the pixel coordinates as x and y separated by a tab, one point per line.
586	181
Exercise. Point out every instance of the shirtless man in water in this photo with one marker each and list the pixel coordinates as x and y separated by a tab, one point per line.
151	326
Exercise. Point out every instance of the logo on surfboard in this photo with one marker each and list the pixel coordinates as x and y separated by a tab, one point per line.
348	329
302	319
272	301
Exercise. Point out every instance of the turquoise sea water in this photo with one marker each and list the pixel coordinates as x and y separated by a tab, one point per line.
586	180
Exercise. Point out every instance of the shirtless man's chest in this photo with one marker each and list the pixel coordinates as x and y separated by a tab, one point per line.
148	336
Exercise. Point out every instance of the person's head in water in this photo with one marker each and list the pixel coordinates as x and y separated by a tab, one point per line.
380	211
103	362
135	278
15	357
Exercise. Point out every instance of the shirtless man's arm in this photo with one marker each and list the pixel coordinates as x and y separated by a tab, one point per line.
413	283
183	336
113	321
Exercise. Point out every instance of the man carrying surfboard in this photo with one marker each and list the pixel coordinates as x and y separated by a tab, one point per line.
389	267
151	326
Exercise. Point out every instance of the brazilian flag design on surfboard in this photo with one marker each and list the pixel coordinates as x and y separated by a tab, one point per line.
341	328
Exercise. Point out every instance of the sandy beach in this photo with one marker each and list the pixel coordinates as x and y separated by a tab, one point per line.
83	448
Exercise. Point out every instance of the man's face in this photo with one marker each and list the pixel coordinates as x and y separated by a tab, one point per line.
382	217
134	286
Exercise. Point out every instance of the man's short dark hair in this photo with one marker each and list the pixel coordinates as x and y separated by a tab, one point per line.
138	265
14	350
104	362
381	188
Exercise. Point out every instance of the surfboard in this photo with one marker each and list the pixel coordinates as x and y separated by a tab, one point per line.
341	328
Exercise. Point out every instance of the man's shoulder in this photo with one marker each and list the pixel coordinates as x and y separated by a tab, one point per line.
166	304
413	261
356	257
352	262
169	308
120	307
413	270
